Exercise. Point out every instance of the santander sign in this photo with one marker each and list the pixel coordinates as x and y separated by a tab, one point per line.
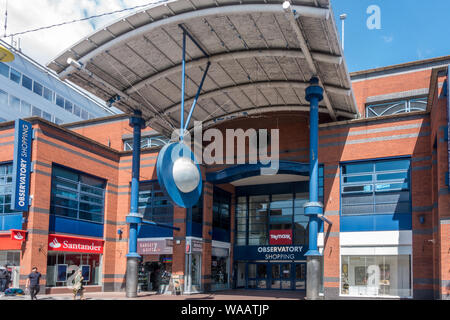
74	244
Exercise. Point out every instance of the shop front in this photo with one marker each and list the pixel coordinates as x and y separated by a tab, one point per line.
155	270
67	254
271	267
10	252
193	266
220	266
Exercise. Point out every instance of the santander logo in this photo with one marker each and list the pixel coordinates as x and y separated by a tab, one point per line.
55	244
18	236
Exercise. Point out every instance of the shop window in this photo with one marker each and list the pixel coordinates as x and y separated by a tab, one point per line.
376	187
221	209
376	275
10	258
396	107
220	268
154	205
61	269
77	195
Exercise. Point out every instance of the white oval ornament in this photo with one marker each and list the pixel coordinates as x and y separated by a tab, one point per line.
185	175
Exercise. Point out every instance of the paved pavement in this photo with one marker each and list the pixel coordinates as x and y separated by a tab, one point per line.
220	295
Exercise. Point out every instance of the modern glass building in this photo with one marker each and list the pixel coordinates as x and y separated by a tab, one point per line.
30	89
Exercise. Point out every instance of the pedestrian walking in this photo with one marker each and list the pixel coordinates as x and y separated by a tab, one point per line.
78	285
8	278
4	277
33	283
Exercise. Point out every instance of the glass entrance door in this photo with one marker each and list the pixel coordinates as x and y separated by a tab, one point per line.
275	276
281	276
257	276
300	276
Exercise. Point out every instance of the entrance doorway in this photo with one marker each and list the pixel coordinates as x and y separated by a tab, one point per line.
274	276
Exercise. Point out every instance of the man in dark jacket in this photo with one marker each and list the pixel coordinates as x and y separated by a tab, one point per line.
4	279
33	283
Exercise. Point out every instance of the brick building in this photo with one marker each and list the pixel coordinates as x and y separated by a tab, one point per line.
383	182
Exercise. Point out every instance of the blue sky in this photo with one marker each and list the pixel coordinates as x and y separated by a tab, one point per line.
410	30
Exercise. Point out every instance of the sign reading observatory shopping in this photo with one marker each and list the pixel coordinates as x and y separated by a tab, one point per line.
270	253
21	165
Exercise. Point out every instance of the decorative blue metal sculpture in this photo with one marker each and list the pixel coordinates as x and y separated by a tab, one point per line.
178	171
179	174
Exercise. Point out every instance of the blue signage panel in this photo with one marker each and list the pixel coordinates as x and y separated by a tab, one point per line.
270	253
22	165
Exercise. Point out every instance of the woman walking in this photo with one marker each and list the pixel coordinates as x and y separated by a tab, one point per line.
78	285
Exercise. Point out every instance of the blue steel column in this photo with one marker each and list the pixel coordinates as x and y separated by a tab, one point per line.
314	94
134	218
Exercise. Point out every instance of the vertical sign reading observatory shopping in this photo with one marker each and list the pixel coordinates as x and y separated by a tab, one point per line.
21	165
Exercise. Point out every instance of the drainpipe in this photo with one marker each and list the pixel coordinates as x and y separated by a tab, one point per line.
314	94
134	218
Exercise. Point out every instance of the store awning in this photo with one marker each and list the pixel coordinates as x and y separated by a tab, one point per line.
262	54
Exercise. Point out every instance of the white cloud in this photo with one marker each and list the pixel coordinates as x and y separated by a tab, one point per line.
45	45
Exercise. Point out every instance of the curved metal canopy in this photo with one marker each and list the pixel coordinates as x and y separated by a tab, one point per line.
262	56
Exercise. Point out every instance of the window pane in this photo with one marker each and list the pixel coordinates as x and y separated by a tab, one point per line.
376	275
59	101
25	108
4	70
360	188
37	88
76	111
15	76
37	112
84	115
48	94
27	82
392	165
357	168
14	102
68	106
3	98
46	116
357	179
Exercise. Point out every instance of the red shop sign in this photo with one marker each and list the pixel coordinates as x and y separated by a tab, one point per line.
277	237
18	235
74	244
